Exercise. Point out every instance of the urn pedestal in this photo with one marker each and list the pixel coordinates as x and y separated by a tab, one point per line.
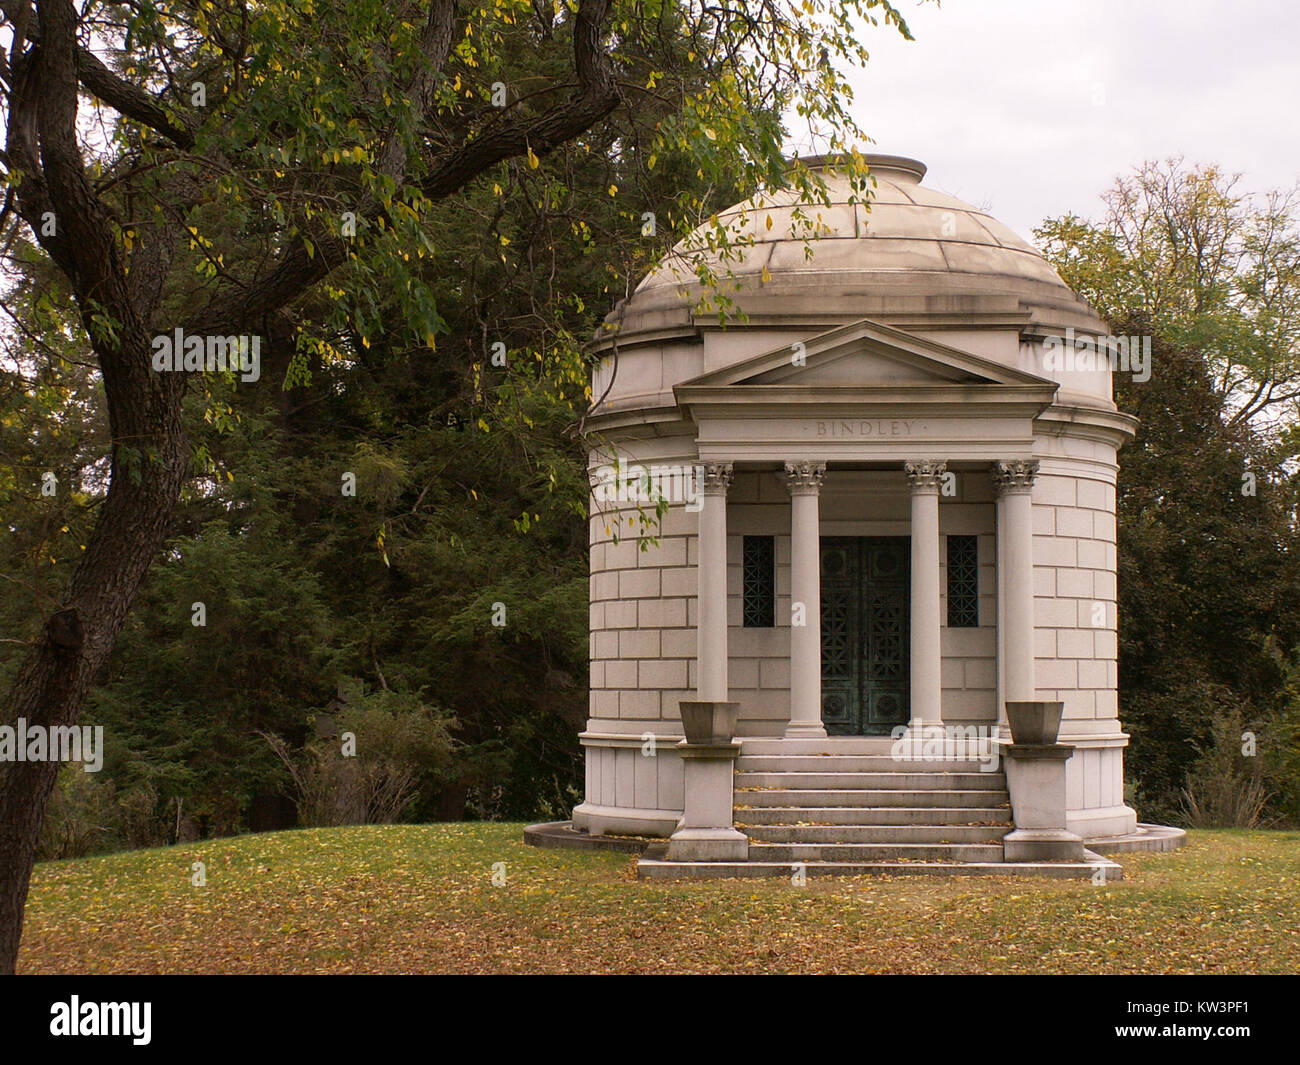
1035	768
706	832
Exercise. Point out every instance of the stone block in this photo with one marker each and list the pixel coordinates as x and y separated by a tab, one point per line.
1074	583
679	643
662	673
638	584
620	614
1071	521
1093	494
1049	551
638	643
620	674
679	582
661	613
774	673
1054	490
1074	643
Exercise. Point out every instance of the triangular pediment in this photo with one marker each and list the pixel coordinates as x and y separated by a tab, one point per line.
865	354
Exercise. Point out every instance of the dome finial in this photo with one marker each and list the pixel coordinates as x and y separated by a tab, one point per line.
911	170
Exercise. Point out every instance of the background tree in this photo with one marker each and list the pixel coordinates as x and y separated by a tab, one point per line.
1212	268
1207	585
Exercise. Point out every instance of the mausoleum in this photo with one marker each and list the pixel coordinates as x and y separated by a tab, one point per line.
890	514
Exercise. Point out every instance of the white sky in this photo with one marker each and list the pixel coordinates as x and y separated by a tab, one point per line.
1030	108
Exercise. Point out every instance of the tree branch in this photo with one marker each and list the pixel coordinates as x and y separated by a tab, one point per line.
596	96
129	100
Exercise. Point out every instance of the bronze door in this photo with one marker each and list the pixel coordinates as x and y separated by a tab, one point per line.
865	593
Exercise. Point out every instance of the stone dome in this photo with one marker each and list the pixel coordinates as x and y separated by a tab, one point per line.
907	241
908	257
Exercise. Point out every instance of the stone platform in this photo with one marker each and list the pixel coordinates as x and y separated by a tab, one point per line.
654	863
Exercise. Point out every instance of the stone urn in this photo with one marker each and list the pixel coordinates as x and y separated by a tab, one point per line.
709	723
1034	723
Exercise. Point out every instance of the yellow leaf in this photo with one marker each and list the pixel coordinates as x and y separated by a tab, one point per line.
533	161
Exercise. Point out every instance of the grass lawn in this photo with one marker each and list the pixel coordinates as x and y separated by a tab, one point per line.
420	898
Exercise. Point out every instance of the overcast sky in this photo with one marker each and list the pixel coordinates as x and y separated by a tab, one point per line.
1030	108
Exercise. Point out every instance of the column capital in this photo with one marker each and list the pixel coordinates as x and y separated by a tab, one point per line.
715	478
924	474
802	478
1014	476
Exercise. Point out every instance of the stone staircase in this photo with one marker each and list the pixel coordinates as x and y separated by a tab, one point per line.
849	801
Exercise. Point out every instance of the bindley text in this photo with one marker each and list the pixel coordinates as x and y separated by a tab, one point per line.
866	427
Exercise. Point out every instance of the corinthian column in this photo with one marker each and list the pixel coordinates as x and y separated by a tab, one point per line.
924	479
804	481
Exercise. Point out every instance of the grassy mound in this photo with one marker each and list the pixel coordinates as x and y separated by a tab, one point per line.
421	898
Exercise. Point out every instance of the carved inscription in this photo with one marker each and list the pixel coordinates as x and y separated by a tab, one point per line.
865	428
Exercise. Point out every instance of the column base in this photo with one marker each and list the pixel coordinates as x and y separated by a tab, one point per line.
708	845
802	731
1041	845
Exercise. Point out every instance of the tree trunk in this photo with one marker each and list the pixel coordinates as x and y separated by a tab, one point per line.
74	646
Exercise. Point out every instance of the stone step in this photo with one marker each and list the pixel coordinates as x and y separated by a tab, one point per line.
875	852
998	816
809	797
881	746
896	781
851	763
658	869
805	833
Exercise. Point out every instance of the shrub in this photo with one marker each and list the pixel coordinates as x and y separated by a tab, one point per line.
1227	787
87	814
390	749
